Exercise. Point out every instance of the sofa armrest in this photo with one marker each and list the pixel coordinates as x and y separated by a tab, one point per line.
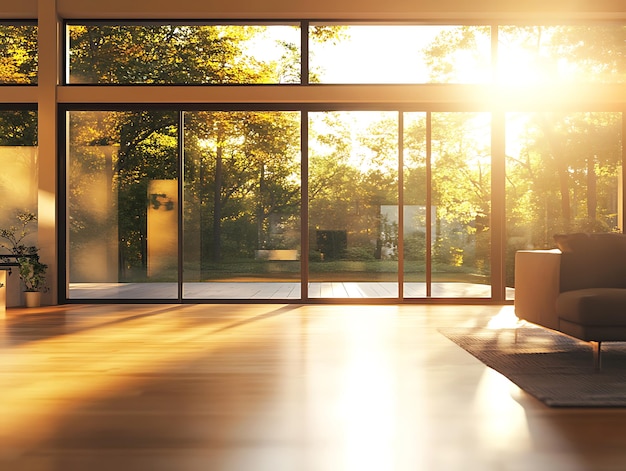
537	281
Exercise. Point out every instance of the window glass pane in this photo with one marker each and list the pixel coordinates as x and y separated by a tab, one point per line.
563	174
242	205
123	204
561	54
415	214
18	54
461	198
18	161
19	164
183	54
399	54
353	204
18	186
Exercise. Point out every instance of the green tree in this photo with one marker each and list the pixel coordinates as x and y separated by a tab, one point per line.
562	174
145	148
461	187
166	54
352	175
248	162
18	54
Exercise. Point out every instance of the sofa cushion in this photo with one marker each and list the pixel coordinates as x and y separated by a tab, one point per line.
594	307
592	260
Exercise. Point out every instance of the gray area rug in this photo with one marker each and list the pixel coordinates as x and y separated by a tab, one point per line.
556	369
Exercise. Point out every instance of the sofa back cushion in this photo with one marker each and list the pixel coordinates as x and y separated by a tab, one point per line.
592	260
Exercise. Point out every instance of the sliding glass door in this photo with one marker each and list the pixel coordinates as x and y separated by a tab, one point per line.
200	205
447	205
122	204
241	214
392	205
353	204
461	204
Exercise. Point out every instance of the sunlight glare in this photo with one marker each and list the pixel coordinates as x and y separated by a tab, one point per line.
367	406
519	67
503	421
505	319
394	54
17	181
34	399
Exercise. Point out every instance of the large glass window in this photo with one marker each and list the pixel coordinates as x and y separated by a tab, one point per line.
183	53
360	201
447	205
123	204
563	174
461	204
19	163
418	220
18	54
562	54
242	205
400	54
353	204
19	181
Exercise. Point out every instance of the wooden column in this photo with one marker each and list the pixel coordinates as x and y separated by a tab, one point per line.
49	34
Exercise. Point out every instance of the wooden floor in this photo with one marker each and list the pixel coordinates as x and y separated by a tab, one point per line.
276	388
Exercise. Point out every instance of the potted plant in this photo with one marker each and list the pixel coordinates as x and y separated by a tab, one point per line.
32	271
33	274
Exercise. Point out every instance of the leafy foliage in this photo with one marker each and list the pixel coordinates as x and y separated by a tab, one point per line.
32	271
15	235
167	54
18	54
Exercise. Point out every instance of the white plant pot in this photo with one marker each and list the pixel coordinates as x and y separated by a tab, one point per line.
32	298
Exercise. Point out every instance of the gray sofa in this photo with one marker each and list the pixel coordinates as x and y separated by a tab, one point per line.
578	289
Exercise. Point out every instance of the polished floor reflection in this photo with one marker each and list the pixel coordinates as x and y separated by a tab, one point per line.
276	387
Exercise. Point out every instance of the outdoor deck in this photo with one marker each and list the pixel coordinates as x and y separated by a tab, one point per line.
275	290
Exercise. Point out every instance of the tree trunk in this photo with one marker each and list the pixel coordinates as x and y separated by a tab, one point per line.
217	204
260	216
560	161
592	197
